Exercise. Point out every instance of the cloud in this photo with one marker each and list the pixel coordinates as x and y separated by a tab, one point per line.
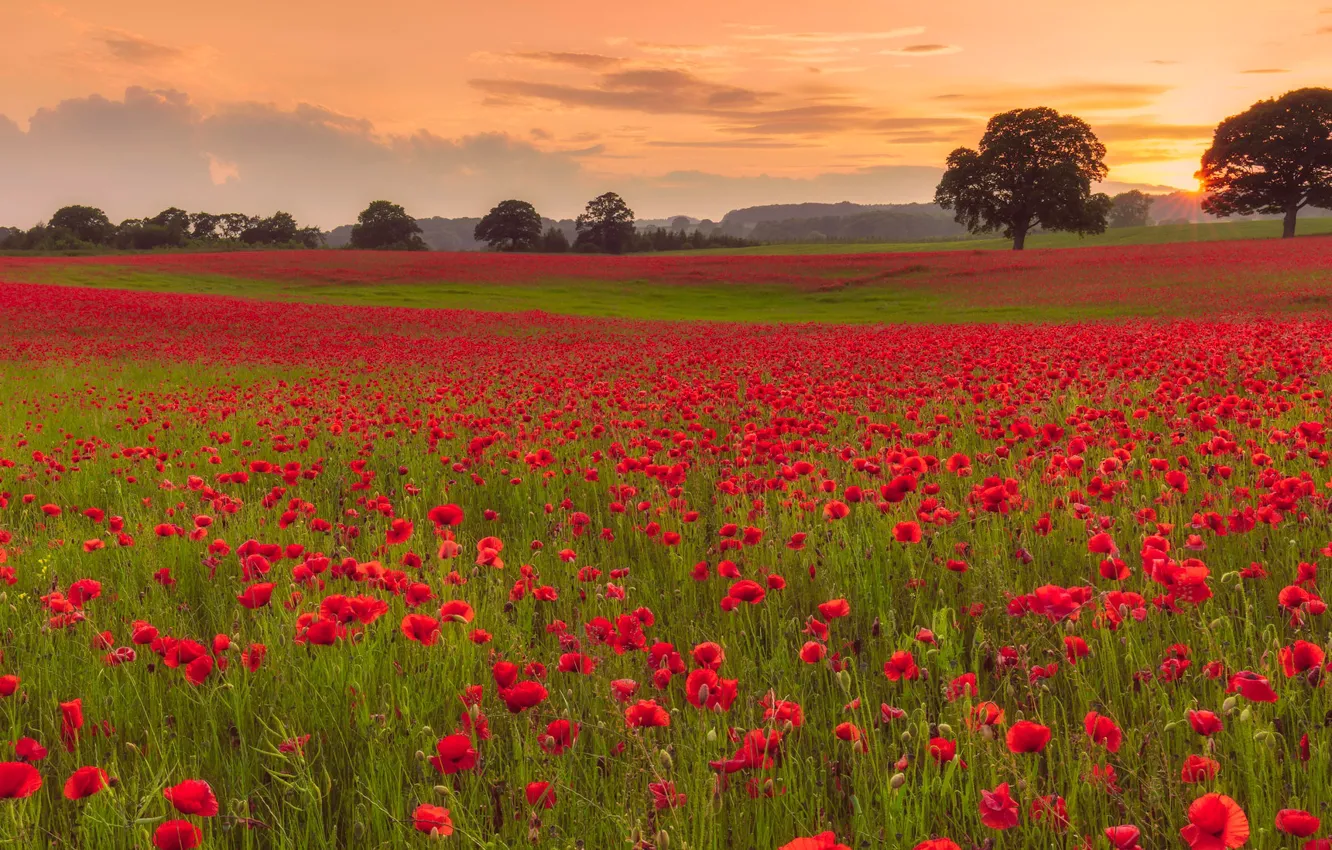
1130	131
586	61
922	50
830	37
1091	96
651	90
136	50
151	149
775	144
1266	71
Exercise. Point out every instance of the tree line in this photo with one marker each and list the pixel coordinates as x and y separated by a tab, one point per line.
1034	169
79	227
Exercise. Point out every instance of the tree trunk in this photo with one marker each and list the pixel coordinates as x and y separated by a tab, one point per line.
1288	226
1020	238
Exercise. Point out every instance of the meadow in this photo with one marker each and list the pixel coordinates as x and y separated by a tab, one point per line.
303	551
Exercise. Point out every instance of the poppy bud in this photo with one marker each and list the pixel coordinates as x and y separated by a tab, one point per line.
844	679
1216	624
898	780
712	736
945	730
1228	707
358	829
420	756
1246	715
906	736
703	693
663	840
665	759
1263	735
443	790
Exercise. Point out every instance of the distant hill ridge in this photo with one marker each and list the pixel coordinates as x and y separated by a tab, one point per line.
809	222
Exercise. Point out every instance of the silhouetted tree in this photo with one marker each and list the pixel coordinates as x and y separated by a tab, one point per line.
232	225
510	226
1034	167
204	226
553	241
1274	158
87	224
1131	209
607	224
173	218
280	229
386	226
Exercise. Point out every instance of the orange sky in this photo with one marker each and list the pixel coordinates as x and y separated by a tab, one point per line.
633	92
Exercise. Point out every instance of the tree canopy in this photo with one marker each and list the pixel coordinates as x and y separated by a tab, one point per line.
607	225
386	226
1034	167
86	224
1131	209
1273	158
510	226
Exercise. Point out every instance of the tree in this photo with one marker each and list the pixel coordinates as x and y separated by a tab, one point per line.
204	225
172	218
606	225
385	226
680	222
510	226
554	241
232	225
87	224
1131	209
1034	167
1274	158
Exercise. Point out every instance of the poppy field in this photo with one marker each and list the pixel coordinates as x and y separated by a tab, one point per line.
303	575
1187	280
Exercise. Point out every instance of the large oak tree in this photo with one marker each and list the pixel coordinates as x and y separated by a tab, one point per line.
1034	167
1275	158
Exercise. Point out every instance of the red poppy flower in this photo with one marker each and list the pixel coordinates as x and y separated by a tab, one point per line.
177	835
937	844
421	629
29	750
523	696
18	779
1102	730
1124	837
399	531
907	532
1297	822
1205	723
1025	736
1198	769
8	685
998	810
1251	686
646	713
834	609
901	667
541	795
453	753
71	721
456	611
85	782
428	818
1216	822
822	841
256	595
192	797
446	515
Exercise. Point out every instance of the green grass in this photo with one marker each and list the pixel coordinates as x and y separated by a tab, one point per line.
1155	235
634	299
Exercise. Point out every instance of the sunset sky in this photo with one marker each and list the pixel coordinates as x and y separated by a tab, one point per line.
449	107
